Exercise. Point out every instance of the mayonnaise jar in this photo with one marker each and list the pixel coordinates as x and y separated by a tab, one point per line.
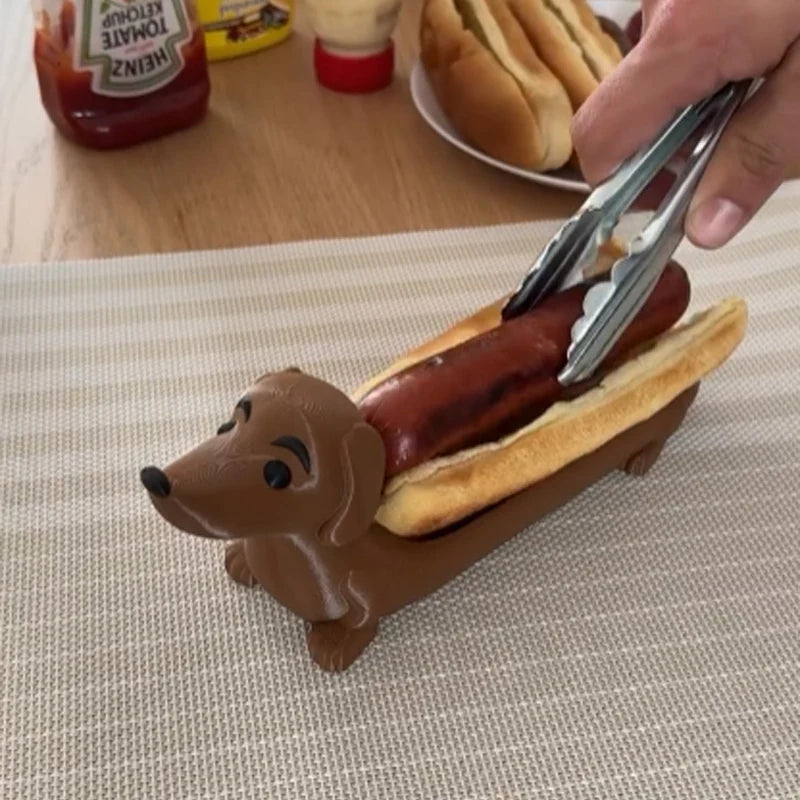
353	50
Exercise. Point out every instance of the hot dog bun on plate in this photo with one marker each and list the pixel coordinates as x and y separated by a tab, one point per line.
492	85
509	74
568	37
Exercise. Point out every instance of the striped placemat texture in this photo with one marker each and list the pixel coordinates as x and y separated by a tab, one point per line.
644	641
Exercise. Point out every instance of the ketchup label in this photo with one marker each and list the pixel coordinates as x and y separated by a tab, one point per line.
131	47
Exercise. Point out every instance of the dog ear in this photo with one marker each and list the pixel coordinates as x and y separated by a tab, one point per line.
363	462
291	369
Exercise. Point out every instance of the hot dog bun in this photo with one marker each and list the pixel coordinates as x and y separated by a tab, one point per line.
509	74
569	39
443	491
492	85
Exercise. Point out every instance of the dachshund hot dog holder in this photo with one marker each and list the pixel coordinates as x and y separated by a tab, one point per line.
295	479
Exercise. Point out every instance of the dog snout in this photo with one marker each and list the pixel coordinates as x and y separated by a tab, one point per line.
155	481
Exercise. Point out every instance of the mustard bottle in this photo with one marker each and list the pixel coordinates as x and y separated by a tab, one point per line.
237	27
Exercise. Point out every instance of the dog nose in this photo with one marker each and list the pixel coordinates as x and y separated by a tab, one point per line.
155	481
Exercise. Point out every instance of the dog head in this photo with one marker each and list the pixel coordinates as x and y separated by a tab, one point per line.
295	457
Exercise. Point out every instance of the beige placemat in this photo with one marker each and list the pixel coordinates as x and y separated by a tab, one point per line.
642	642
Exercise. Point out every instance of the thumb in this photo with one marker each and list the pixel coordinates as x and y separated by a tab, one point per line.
753	158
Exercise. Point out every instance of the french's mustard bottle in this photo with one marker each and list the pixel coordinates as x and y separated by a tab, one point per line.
237	27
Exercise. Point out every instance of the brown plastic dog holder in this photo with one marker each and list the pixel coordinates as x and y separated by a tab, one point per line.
293	480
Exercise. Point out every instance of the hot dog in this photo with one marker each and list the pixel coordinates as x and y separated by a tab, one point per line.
502	379
486	456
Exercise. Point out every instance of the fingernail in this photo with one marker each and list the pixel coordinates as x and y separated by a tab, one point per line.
715	222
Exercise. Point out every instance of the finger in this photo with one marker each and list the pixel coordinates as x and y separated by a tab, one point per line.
620	116
753	158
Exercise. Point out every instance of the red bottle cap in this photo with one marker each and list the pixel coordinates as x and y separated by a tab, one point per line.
354	73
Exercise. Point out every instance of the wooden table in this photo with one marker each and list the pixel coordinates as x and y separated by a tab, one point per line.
278	158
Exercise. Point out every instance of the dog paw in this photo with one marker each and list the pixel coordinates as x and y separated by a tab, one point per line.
236	565
334	647
639	464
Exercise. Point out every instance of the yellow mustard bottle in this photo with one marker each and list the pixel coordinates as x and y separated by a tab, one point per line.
237	27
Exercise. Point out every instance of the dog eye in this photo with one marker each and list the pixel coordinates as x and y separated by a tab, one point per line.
225	427
277	474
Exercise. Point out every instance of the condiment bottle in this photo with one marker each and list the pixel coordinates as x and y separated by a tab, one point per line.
353	48
113	73
237	27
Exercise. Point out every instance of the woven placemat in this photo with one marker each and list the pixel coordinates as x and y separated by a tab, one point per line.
644	641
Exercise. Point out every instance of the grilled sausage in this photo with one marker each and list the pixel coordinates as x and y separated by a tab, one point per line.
500	380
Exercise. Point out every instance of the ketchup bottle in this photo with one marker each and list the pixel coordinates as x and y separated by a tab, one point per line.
113	73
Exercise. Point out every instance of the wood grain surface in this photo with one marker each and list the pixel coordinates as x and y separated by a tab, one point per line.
278	158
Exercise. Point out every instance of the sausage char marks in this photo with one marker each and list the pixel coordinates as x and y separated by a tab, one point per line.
502	379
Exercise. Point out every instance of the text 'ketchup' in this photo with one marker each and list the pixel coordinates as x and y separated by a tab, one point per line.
113	73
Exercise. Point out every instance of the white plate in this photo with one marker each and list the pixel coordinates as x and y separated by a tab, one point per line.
620	11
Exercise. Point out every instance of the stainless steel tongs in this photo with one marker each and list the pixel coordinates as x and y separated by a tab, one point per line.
611	304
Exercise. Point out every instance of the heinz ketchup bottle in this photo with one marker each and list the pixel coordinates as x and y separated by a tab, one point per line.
116	72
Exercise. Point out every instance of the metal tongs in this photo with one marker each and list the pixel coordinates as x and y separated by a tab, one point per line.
611	304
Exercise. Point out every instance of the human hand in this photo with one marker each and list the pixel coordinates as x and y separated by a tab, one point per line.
689	50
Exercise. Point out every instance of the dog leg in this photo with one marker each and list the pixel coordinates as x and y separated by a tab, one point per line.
336	644
639	464
236	565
